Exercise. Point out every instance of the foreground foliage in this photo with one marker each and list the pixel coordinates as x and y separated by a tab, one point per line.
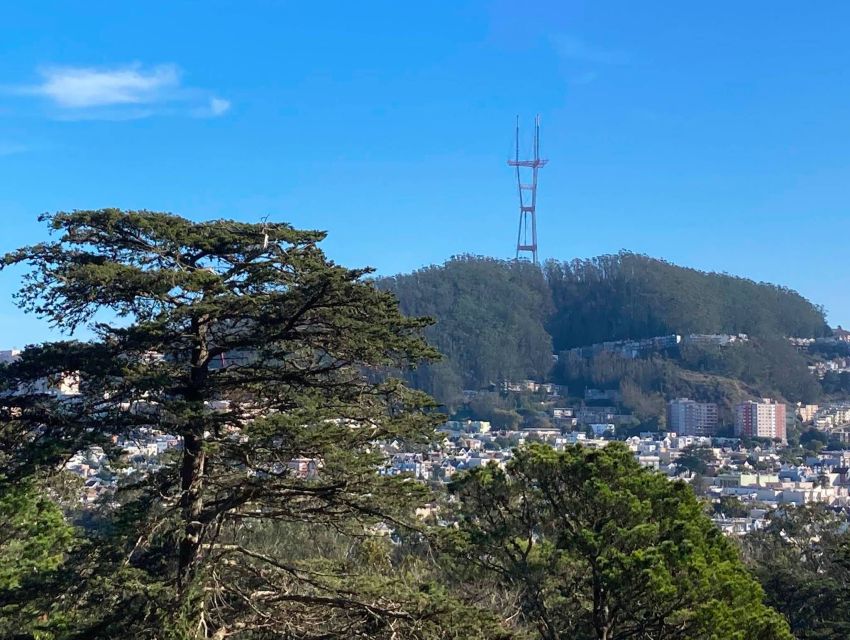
272	520
34	541
587	544
245	341
803	560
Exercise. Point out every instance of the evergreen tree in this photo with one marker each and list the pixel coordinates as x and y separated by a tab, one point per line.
629	296
593	546
34	541
499	320
802	559
489	322
265	358
34	534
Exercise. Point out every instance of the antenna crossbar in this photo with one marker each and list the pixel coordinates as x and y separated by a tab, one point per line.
526	241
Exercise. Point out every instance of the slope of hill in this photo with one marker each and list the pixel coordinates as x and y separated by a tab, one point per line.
490	317
725	376
622	296
500	320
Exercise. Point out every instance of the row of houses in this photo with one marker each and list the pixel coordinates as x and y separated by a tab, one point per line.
839	335
637	348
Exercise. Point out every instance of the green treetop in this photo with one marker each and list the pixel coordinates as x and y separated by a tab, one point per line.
250	345
802	559
587	544
34	535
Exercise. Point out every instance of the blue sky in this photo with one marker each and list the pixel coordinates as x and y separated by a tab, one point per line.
714	135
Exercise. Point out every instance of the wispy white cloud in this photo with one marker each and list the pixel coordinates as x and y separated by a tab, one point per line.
81	87
219	106
122	92
572	48
213	108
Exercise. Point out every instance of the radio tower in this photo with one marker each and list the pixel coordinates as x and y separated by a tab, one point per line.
527	195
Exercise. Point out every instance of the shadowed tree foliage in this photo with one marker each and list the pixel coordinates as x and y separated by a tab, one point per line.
802	559
724	375
627	296
593	546
770	365
34	540
499	320
490	317
253	348
695	459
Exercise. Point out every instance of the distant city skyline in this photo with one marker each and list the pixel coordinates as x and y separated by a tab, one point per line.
711	135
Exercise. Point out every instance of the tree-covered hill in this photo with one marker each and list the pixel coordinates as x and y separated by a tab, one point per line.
616	297
498	320
490	316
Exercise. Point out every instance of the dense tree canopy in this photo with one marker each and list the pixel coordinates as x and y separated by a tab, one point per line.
499	320
628	296
275	369
489	321
592	545
34	534
803	560
248	344
34	541
769	365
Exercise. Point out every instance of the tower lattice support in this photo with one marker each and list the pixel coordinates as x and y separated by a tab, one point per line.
526	239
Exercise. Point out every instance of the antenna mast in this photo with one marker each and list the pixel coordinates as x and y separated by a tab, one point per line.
526	239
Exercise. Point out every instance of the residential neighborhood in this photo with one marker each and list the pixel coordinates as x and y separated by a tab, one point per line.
749	468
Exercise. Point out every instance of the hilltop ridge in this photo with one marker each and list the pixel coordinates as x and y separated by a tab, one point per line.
498	320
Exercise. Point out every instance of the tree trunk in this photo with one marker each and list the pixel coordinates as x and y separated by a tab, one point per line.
601	621
191	482
192	466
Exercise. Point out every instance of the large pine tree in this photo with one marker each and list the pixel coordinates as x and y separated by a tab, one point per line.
268	361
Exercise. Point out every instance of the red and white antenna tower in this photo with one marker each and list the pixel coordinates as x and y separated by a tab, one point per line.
526	238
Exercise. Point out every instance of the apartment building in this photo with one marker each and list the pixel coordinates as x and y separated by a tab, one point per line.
763	418
689	418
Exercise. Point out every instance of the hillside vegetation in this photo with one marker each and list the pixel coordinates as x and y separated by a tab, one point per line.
490	322
616	297
500	320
